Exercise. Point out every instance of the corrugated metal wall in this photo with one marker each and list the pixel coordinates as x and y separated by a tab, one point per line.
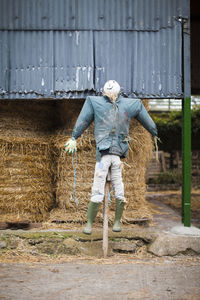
69	48
91	14
195	53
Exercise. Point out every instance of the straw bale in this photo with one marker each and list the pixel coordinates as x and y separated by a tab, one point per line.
26	162
32	160
26	179
31	119
133	175
65	177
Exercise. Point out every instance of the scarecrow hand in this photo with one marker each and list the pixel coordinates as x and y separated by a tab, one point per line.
70	146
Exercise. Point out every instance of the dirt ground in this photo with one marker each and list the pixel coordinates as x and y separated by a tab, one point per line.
121	276
173	200
158	278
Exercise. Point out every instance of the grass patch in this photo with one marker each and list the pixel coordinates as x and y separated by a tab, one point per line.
168	177
37	235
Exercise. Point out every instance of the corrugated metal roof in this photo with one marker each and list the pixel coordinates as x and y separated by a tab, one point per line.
74	61
195	51
90	14
31	62
146	64
146	61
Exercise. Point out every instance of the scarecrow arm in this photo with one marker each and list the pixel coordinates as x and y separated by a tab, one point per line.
144	118
85	118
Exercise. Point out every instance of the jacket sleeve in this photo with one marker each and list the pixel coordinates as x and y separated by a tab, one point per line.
85	118
144	118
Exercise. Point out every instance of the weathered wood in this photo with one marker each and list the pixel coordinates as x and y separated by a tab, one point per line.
105	221
3	225
26	225
105	216
143	221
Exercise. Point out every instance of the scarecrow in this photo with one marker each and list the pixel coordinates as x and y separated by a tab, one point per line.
111	114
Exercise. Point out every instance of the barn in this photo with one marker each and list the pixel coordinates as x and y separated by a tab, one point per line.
55	53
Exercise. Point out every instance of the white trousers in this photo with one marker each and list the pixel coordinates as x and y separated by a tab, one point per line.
101	171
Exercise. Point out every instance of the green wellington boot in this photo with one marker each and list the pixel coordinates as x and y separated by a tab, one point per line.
118	215
91	215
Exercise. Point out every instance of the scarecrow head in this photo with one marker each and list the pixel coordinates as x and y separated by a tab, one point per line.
111	89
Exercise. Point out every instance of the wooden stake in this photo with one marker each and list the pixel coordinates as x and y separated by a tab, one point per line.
105	217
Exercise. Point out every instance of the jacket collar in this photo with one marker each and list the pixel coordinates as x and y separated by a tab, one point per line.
108	99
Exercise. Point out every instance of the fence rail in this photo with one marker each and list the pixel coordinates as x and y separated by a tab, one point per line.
170	104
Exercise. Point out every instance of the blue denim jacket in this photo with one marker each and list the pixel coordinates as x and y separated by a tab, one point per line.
112	122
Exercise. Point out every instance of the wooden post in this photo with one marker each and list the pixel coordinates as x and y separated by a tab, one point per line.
105	216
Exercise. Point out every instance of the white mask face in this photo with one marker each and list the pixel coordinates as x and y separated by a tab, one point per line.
111	89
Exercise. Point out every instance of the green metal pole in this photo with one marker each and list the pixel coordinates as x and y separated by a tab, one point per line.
186	126
186	161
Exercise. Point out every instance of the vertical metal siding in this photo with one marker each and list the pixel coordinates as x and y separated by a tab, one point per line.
146	63
4	63
195	52
74	64
90	14
31	62
69	48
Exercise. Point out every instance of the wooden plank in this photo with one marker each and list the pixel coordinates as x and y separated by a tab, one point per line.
26	225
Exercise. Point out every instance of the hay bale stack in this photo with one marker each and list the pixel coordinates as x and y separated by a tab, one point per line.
26	190
140	152
133	174
26	187
26	118
68	210
31	163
